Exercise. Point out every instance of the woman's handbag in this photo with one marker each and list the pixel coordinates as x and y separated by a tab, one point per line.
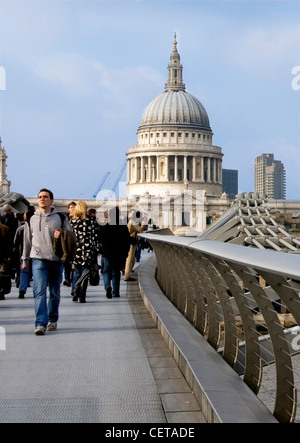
94	275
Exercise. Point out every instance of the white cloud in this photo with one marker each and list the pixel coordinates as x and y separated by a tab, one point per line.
81	76
72	72
261	48
111	94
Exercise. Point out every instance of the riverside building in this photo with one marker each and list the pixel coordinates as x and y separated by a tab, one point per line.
270	177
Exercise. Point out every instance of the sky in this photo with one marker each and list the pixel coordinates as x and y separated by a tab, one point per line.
76	77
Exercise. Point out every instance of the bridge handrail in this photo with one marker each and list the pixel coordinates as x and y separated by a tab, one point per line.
222	289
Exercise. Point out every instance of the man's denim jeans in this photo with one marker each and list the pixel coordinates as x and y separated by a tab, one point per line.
24	278
46	274
111	275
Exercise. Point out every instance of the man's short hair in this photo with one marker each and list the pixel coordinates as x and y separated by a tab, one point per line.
92	211
48	191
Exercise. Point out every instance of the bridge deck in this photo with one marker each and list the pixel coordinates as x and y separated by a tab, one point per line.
106	363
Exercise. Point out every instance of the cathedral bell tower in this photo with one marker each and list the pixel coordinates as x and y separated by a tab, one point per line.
4	183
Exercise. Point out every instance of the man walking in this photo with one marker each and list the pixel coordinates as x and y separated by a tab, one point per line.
47	268
115	241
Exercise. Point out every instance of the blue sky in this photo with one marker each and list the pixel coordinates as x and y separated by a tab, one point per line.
79	75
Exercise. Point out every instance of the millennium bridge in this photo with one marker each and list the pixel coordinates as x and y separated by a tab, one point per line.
208	333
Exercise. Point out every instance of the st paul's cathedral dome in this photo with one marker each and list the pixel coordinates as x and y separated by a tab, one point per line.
174	152
175	106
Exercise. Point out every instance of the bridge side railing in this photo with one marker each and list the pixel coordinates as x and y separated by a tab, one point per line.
239	299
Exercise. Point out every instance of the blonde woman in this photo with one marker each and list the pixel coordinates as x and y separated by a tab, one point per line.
86	233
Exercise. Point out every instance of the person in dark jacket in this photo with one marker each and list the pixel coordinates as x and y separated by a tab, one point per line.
25	273
115	241
4	243
68	271
5	253
9	219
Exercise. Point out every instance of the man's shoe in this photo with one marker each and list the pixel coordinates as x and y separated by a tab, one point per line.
116	295
67	283
130	279
108	292
52	327
22	295
40	330
75	298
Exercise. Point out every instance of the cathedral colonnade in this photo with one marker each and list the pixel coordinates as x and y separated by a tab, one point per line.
174	168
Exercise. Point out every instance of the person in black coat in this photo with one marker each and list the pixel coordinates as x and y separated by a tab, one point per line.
9	219
115	244
23	274
5	253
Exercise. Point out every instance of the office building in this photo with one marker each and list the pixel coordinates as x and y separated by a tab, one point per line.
230	179
270	177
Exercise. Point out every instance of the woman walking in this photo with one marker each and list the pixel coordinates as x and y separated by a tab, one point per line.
86	233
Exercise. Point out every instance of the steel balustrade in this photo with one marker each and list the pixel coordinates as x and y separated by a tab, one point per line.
235	296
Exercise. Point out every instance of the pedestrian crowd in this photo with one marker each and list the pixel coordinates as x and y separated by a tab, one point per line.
45	248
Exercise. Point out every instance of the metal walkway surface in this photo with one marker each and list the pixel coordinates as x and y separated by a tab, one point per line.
106	363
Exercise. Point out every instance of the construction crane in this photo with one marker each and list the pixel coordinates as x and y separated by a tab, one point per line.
116	183
101	184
